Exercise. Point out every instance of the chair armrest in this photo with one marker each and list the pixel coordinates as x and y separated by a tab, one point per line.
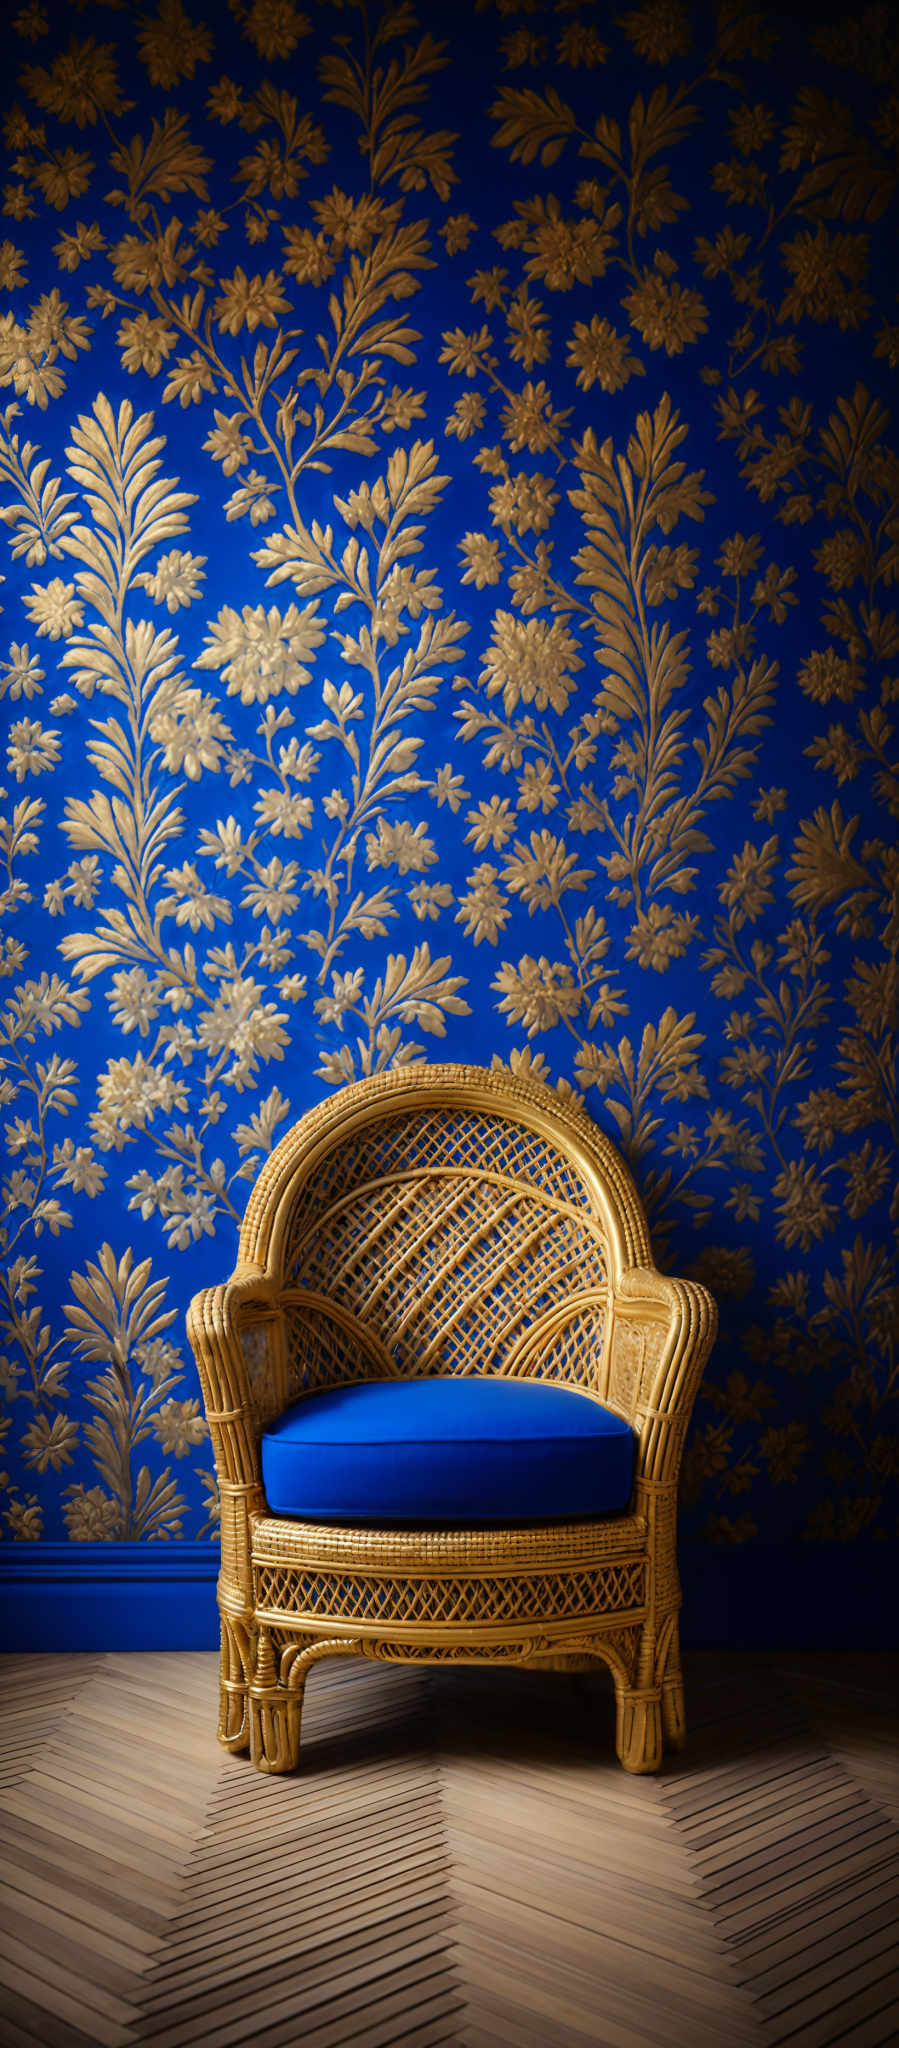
215	1321
662	1331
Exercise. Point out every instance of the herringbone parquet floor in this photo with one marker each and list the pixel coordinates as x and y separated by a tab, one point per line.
461	1860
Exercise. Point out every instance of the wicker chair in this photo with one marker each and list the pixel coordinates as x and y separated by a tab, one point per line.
448	1220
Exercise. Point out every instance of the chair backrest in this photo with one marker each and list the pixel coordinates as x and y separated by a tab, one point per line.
443	1220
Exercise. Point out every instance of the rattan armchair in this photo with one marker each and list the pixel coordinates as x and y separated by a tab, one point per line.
448	1220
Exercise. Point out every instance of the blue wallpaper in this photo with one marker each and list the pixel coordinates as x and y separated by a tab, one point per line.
449	503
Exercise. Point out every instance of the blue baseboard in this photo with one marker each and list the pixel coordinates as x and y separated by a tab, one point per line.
827	1596
133	1596
109	1596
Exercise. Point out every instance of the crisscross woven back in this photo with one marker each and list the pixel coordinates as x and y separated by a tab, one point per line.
447	1235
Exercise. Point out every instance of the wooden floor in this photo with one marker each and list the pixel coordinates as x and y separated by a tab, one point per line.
460	1860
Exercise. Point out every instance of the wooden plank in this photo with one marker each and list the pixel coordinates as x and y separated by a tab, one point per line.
830	1975
65	1970
458	1860
60	2002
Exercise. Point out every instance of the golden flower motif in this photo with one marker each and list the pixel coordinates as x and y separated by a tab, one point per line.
284	811
768	803
530	662
275	26
76	248
129	1093
429	898
739	556
12	267
483	560
140	264
537	993
178	1426
492	824
227	443
569	252
827	271
537	790
250	302
50	1442
17	204
134	1001
752	128
465	354
467	416
224	101
262	653
870	1173
525	503
31	748
730	1269
543	871
192	733
887	343
601	356
456	232
176	579
172	46
486	286
448	788
841	558
21	675
580	45
274	891
145	340
80	86
659	936
400	408
31	21
54	610
783	1450
659	30
90	1515
398	844
529	421
240	1024
483	909
350	223
666	315
837	752
522	47
826	674
669	570
804	1212
64	176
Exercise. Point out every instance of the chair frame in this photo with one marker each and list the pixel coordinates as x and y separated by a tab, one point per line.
565	1596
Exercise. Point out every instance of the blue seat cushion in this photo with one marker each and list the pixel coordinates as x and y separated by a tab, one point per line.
447	1450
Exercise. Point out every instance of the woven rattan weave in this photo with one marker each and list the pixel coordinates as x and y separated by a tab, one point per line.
451	1220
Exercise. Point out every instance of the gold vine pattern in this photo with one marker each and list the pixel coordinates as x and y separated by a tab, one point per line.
450	536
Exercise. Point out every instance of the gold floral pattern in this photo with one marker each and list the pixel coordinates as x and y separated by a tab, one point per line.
451	524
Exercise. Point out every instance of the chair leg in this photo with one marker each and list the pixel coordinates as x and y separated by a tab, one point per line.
236	1657
275	1730
638	1736
275	1713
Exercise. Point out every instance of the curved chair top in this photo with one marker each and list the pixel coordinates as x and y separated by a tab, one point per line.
543	1134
